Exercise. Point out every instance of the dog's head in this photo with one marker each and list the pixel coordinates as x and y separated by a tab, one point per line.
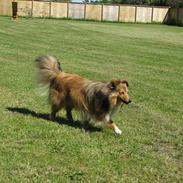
120	90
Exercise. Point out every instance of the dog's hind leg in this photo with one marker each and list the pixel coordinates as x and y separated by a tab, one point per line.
69	114
56	100
54	110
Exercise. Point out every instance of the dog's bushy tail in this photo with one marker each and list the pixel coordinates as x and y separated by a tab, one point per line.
48	69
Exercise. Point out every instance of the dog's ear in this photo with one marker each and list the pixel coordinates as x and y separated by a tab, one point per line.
125	82
113	84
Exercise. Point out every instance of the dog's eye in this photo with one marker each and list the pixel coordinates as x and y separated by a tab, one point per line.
112	87
121	93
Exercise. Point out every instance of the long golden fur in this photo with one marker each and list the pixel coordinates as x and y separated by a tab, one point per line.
94	99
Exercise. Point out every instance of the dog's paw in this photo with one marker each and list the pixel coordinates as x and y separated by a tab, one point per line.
117	131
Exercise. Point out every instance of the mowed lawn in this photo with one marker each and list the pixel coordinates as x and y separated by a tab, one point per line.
34	149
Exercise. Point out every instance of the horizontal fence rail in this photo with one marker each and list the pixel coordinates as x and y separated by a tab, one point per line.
93	11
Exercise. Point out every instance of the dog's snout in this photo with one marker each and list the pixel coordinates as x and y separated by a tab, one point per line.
126	102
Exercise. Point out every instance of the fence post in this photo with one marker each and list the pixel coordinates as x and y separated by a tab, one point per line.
32	8
102	6
177	21
85	12
14	9
152	14
135	13
67	9
119	9
50	9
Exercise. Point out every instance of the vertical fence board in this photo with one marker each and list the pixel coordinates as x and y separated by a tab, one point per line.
24	8
110	12
41	9
127	14
6	7
93	11
159	14
76	10
144	14
58	10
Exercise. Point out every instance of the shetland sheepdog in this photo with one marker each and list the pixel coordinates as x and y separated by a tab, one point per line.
95	100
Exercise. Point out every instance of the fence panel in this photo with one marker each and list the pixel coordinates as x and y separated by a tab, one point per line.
41	9
6	7
173	13
76	10
24	8
93	11
159	14
58	10
144	14
110	12
175	16
127	14
180	15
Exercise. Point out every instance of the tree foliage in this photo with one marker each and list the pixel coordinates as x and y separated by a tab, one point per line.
174	3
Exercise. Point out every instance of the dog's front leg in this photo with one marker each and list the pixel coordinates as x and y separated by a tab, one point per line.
113	126
85	117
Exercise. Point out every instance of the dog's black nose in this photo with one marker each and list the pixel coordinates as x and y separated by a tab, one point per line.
129	101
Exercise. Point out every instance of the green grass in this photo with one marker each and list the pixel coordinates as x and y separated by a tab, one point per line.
33	149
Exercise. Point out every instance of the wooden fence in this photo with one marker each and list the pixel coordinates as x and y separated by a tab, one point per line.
175	16
101	12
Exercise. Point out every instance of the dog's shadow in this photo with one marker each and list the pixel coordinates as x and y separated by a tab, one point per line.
59	120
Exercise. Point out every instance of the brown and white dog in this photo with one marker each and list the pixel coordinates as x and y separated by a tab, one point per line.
94	99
